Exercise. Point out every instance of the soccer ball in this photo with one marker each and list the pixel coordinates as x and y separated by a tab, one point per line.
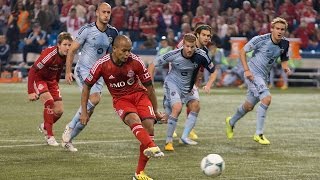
212	165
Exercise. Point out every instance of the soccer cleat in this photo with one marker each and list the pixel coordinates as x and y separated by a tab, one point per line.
66	136
229	128
169	147
193	135
141	176
69	146
284	87
187	141
52	141
261	139
153	152
174	134
42	130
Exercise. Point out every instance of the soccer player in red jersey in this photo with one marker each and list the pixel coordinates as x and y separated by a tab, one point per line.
43	81
134	99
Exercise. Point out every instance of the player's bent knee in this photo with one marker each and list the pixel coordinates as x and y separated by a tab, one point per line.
248	106
266	100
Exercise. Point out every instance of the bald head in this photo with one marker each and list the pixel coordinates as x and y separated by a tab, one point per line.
122	41
103	4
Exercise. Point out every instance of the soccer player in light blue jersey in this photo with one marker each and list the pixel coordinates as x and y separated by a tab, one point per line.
178	85
92	42
266	50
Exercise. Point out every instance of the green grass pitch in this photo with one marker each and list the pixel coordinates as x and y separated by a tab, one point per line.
108	150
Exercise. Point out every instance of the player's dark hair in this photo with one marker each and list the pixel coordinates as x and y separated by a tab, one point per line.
64	36
202	27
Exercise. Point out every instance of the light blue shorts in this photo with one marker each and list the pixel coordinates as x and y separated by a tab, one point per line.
173	94
257	89
80	74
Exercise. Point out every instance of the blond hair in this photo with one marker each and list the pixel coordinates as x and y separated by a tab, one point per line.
189	37
64	36
279	20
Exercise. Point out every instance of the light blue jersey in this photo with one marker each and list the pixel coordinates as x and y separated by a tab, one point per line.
94	44
184	70
265	54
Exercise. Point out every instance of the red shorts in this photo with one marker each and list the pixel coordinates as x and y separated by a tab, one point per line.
138	102
48	86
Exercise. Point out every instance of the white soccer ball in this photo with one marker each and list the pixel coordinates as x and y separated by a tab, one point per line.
212	165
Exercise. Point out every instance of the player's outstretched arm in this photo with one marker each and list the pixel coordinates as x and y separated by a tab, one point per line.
153	98
151	69
243	58
84	118
70	56
285	67
212	79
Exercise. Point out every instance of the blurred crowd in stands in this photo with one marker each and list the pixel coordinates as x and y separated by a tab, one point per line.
31	25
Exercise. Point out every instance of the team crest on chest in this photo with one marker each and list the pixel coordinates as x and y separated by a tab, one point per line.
130	73
110	39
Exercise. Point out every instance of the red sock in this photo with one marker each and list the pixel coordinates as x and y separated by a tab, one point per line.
142	160
188	111
48	116
56	117
142	135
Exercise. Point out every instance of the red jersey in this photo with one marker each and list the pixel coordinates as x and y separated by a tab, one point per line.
120	80
48	67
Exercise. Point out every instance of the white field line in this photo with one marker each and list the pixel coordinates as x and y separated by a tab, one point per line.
37	143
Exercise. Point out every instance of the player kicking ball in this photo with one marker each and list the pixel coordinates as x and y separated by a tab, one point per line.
266	50
43	79
134	99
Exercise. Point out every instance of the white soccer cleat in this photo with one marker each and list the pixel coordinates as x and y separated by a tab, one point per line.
42	130
69	146
187	141
66	135
52	141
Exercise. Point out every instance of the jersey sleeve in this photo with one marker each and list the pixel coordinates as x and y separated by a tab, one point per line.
164	59
285	54
142	72
95	73
45	58
205	60
253	44
82	35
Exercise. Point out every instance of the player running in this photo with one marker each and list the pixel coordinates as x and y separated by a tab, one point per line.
267	49
92	42
178	85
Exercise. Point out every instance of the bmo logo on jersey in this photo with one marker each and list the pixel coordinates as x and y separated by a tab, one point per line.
121	84
117	84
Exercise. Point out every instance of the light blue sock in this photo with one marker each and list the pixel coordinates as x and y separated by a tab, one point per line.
75	123
190	123
261	116
76	117
238	115
172	124
79	127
